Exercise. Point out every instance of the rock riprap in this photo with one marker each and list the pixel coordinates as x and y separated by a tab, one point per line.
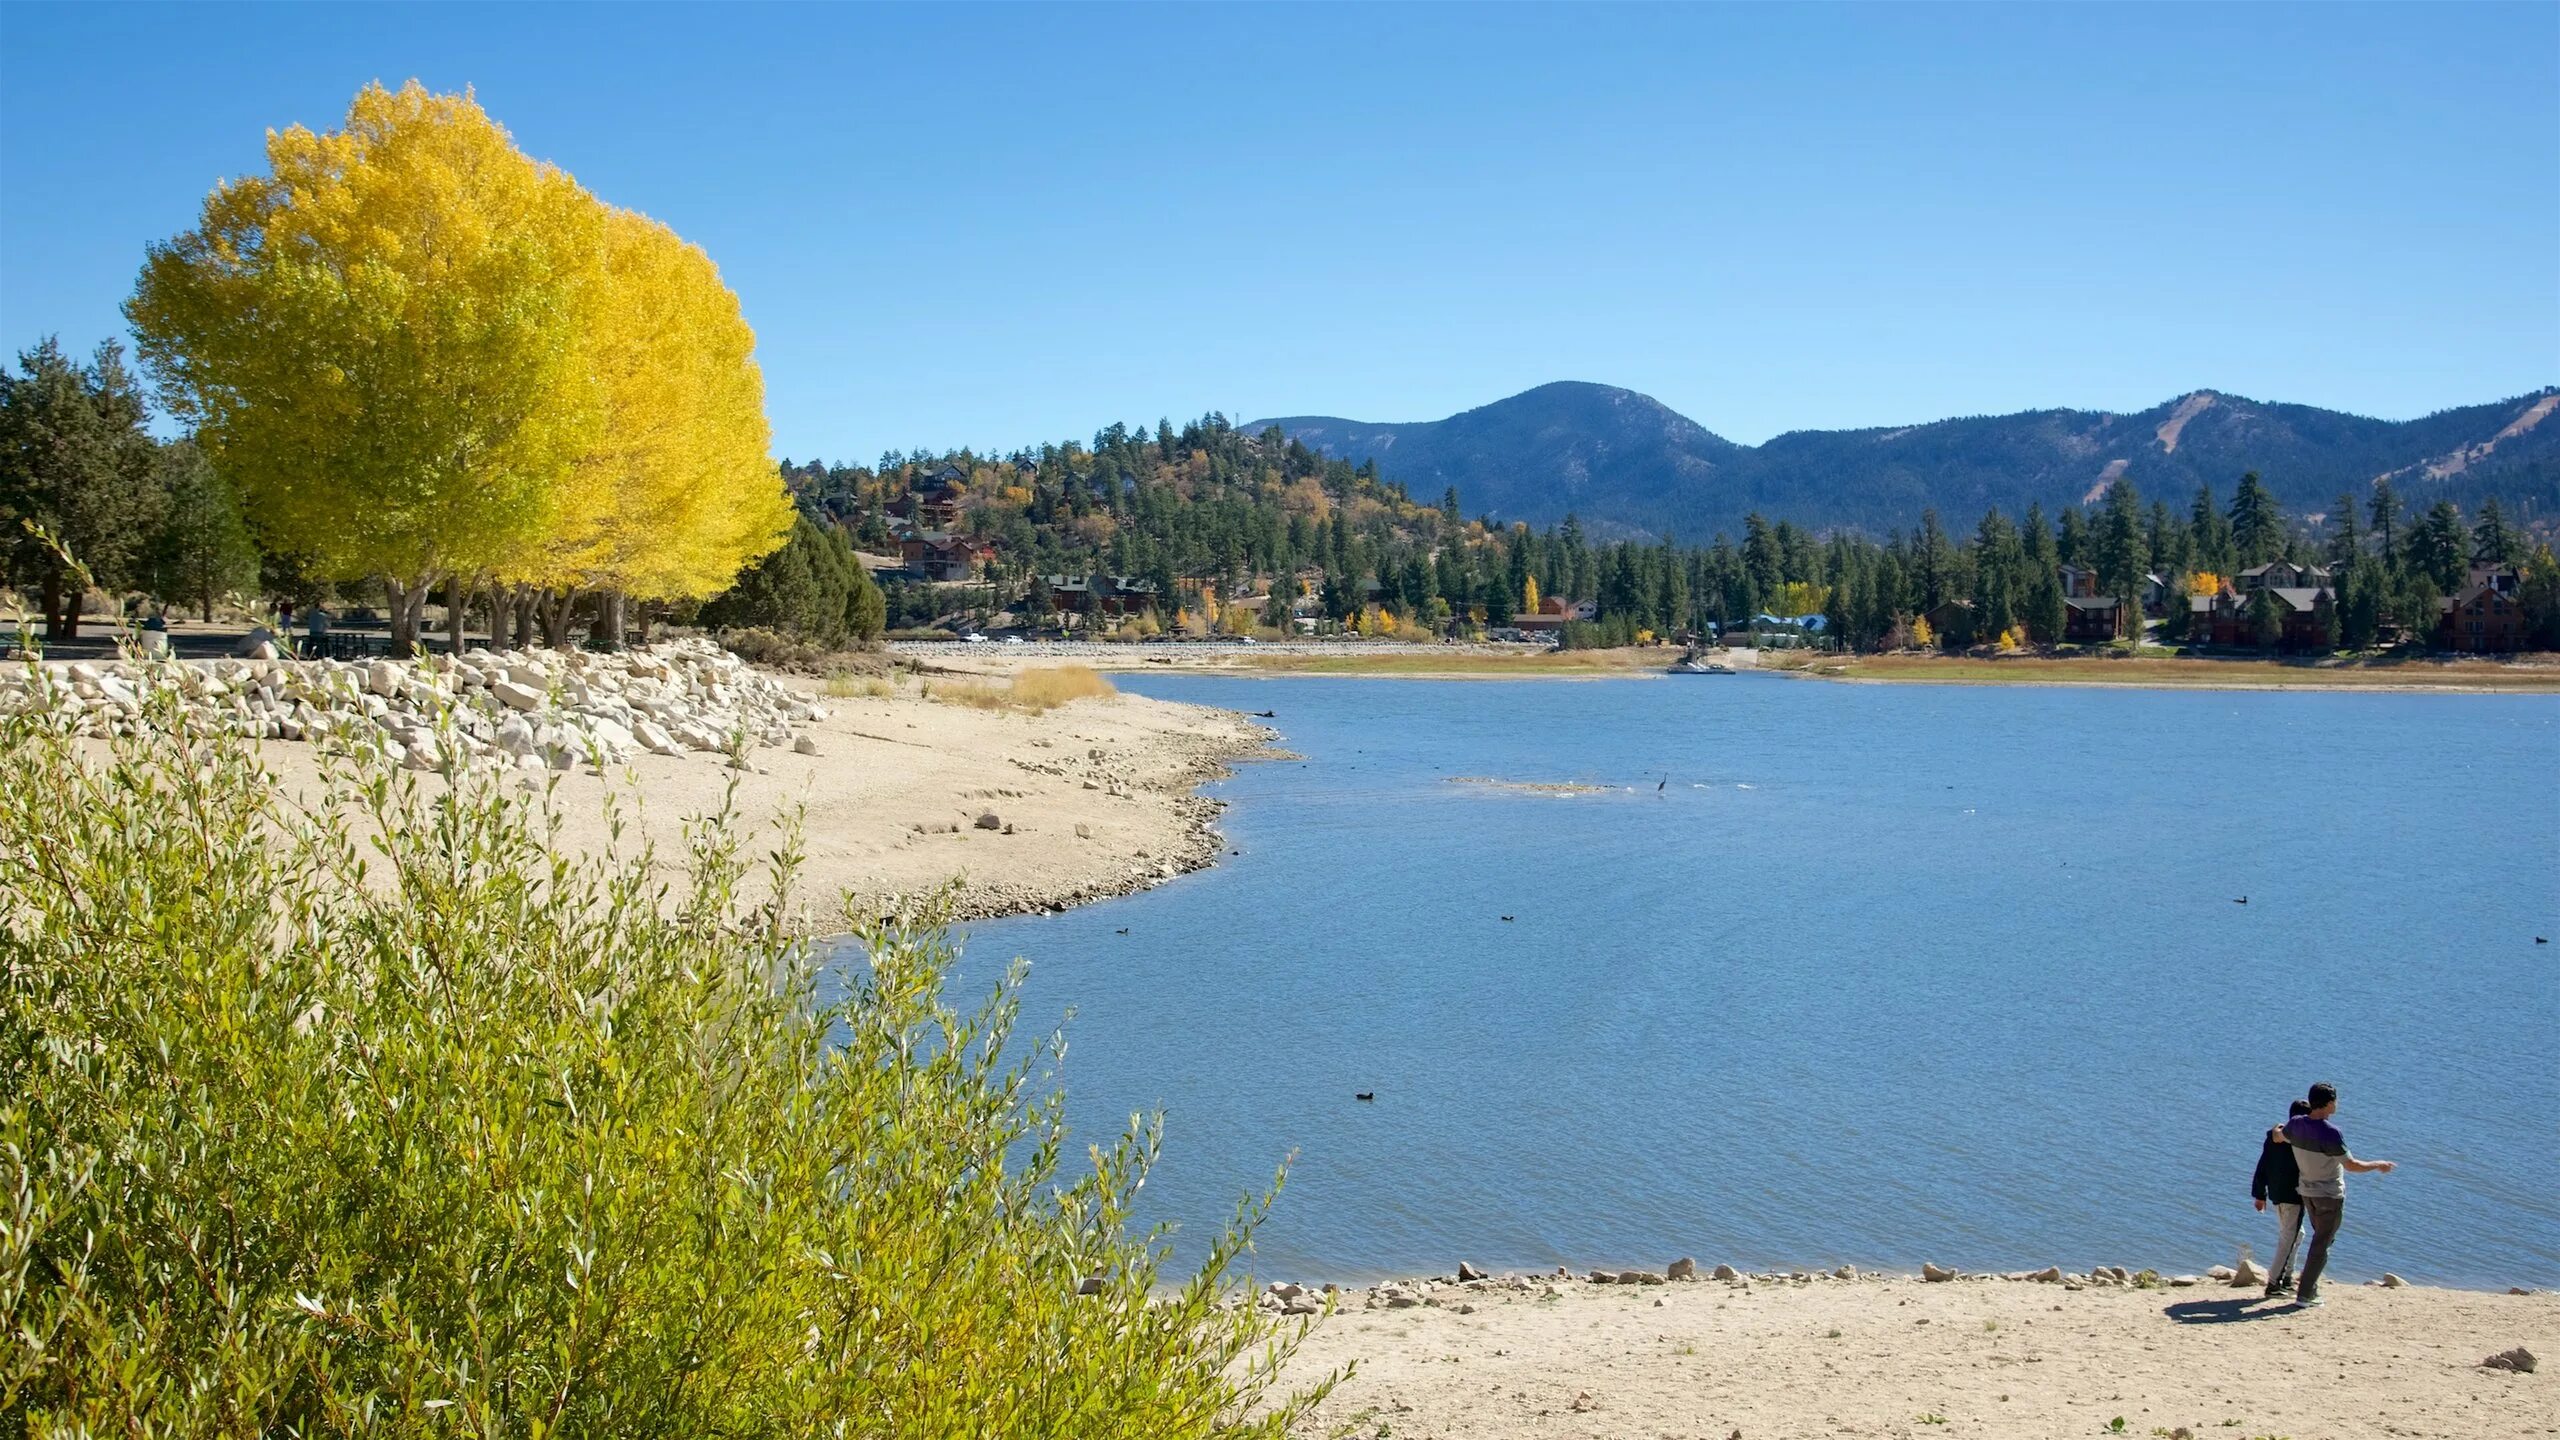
495	709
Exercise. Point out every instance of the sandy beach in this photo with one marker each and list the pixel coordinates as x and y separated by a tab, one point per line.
1091	799
1769	1357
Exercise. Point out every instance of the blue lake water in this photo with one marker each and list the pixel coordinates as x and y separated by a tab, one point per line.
1872	974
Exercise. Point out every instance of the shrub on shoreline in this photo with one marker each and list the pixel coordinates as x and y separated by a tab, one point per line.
498	1142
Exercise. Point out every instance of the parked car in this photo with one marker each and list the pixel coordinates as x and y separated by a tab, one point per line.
1013	640
974	638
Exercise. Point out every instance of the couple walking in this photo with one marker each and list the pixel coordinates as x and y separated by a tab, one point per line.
2302	1171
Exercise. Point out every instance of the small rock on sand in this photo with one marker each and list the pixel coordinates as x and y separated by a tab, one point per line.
989	821
2050	1275
1727	1272
2246	1274
2391	1281
1683	1268
1467	1272
1935	1273
2520	1360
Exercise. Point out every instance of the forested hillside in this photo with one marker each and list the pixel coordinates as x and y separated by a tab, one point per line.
1227	529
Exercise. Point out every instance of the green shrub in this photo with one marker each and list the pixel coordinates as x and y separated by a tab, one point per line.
378	1115
813	588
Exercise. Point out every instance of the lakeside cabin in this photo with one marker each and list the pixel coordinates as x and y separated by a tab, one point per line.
1100	595
934	555
2483	617
2092	619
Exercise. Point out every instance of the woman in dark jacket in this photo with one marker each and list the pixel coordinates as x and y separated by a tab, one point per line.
2276	1183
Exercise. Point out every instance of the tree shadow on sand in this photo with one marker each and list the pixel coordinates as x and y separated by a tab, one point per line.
2231	1311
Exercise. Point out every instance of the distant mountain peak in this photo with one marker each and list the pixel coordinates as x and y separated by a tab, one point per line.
1626	462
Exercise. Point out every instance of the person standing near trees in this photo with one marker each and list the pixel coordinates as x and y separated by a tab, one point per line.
2321	1153
2278	1183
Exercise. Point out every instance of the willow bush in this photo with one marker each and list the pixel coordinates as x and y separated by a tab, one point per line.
377	1114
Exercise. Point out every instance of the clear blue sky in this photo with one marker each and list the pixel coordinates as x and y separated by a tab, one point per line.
994	226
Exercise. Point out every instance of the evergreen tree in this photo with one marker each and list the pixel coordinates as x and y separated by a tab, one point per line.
1763	563
2363	587
2257	524
2344	543
2440	549
2417	606
2124	550
2266	615
204	549
1839	610
1933	565
1997	561
2072	546
74	460
2212	534
2538	593
2493	541
2170	543
2385	516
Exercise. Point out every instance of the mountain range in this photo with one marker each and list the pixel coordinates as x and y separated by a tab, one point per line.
1627	465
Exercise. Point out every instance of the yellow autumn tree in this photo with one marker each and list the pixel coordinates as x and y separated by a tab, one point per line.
1529	596
379	341
679	492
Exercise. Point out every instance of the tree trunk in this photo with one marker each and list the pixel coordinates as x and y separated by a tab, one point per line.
610	615
53	606
396	601
556	606
457	596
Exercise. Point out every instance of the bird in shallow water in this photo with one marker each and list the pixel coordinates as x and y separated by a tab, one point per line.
2243	900
1365	1095
1123	930
1506	919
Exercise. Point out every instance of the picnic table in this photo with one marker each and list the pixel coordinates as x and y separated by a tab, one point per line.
345	645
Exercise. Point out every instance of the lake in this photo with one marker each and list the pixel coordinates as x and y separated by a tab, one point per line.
1837	973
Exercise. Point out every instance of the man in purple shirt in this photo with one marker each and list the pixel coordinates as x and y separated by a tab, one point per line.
2320	1153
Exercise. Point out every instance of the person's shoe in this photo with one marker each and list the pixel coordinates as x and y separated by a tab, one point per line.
2309	1302
2281	1285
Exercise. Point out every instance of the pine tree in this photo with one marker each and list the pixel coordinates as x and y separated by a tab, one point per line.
2344	543
2124	551
75	461
2385	516
2493	541
2440	549
2212	534
2257	524
204	549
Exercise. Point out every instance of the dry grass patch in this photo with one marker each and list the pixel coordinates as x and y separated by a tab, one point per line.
1039	689
1046	687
